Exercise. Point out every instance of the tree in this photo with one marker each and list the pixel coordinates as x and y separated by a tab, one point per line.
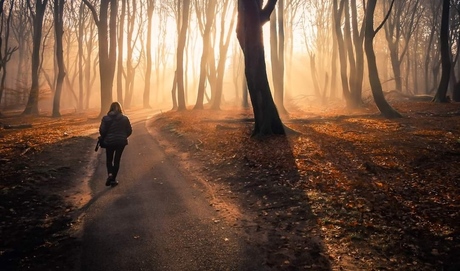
355	38
384	107
441	94
251	17
107	37
58	30
37	18
121	52
148	72
338	9
224	43
400	28
277	41
6	51
205	24
133	32
179	76
21	28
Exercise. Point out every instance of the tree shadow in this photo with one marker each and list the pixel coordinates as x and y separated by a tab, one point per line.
376	211
278	217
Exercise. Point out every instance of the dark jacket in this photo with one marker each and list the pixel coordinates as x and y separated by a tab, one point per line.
115	129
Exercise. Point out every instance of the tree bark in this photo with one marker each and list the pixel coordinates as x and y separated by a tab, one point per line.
81	24
384	107
441	94
224	44
277	55
32	103
338	10
107	37
209	17
7	53
59	30
121	52
181	104
148	71
251	18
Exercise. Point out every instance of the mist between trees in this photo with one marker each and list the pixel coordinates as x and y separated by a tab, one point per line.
60	55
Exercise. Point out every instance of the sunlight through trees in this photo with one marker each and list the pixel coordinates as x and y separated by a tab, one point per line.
185	54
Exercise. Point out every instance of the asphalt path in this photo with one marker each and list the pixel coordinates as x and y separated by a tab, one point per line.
156	219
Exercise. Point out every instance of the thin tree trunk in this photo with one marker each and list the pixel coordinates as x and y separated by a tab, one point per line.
180	56
107	37
148	72
7	53
121	52
204	62
59	30
277	55
224	44
32	103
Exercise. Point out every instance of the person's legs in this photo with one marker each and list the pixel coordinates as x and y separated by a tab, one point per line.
109	152
109	163
116	162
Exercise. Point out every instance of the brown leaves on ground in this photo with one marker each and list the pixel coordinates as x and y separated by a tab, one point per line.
41	159
351	191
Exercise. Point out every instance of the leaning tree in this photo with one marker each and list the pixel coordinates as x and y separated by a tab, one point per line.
385	108
252	15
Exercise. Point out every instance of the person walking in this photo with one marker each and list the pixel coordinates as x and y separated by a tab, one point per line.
115	129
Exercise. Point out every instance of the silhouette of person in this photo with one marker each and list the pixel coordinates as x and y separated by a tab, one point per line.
115	129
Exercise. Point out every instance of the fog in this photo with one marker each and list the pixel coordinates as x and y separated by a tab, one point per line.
406	49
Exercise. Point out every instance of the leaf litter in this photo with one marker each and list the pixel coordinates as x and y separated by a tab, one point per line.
351	191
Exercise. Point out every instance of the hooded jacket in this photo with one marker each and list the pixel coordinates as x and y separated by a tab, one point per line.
115	129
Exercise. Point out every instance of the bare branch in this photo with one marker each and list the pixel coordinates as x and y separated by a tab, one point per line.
386	18
267	11
93	11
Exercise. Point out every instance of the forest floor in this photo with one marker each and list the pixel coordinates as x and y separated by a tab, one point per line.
349	190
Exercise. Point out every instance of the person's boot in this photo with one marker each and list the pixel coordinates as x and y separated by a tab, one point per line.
109	180
114	182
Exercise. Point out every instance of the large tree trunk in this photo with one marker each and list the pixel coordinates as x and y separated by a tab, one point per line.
32	103
59	30
441	94
384	107
181	104
251	18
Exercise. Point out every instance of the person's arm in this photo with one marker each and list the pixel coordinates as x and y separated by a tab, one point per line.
129	129
103	128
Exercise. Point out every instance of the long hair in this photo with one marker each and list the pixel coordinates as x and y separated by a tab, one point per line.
116	107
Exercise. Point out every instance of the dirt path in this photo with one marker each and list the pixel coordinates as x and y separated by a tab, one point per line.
156	219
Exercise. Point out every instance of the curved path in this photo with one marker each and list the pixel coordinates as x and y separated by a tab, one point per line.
156	219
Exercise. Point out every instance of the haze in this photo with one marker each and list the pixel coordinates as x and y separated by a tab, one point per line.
406	49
